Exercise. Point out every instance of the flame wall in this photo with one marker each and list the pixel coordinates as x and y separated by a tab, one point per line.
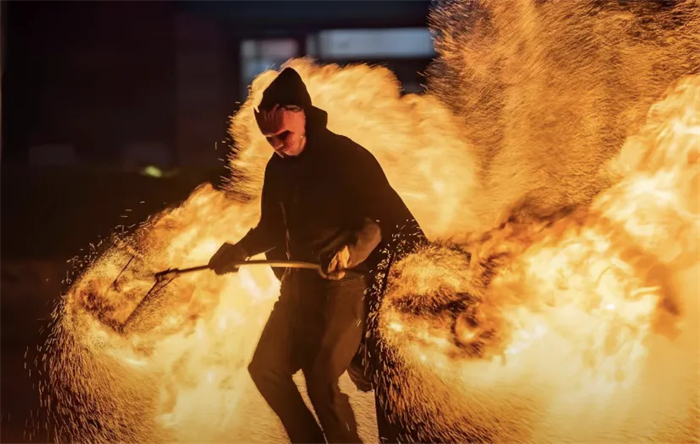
587	331
548	91
594	311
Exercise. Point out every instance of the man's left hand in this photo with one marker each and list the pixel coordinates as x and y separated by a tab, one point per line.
340	261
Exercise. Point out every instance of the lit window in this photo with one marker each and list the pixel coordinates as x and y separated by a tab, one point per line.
374	44
260	55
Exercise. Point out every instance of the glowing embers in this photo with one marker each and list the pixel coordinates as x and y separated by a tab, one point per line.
513	336
191	347
589	308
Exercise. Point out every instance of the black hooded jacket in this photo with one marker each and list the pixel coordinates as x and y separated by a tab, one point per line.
329	189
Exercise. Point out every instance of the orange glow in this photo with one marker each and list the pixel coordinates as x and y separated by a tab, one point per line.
576	256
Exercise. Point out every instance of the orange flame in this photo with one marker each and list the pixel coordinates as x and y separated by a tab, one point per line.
578	307
572	324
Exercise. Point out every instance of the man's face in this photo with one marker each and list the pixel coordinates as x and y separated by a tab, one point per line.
284	128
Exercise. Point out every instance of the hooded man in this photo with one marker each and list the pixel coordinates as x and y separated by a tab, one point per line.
325	199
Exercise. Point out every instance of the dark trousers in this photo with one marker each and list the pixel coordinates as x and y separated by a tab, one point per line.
316	326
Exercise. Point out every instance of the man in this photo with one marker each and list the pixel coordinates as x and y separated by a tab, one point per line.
326	200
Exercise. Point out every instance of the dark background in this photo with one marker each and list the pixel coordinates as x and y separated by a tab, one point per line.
95	92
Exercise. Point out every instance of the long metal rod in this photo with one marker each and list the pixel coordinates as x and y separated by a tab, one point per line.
274	264
175	272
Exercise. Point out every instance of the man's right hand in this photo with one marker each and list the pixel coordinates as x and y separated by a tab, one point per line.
223	260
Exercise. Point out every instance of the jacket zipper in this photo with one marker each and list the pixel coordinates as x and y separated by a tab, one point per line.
286	230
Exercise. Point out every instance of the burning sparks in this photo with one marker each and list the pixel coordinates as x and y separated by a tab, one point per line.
564	306
578	300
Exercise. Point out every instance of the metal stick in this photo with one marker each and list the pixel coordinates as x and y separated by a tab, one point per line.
114	284
282	264
171	274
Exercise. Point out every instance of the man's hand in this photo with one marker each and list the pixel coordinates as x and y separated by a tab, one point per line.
223	260
333	267
349	250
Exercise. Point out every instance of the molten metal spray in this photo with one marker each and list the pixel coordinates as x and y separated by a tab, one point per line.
568	185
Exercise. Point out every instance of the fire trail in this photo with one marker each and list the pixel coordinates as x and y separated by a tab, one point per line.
555	162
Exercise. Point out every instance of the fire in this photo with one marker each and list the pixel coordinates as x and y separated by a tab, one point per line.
559	302
149	383
576	309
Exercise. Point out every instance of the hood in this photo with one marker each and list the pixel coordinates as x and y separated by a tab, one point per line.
289	89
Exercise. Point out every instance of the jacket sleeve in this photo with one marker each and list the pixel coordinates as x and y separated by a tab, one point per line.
266	235
374	198
366	240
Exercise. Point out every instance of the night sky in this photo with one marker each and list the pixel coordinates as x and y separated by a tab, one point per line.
97	75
